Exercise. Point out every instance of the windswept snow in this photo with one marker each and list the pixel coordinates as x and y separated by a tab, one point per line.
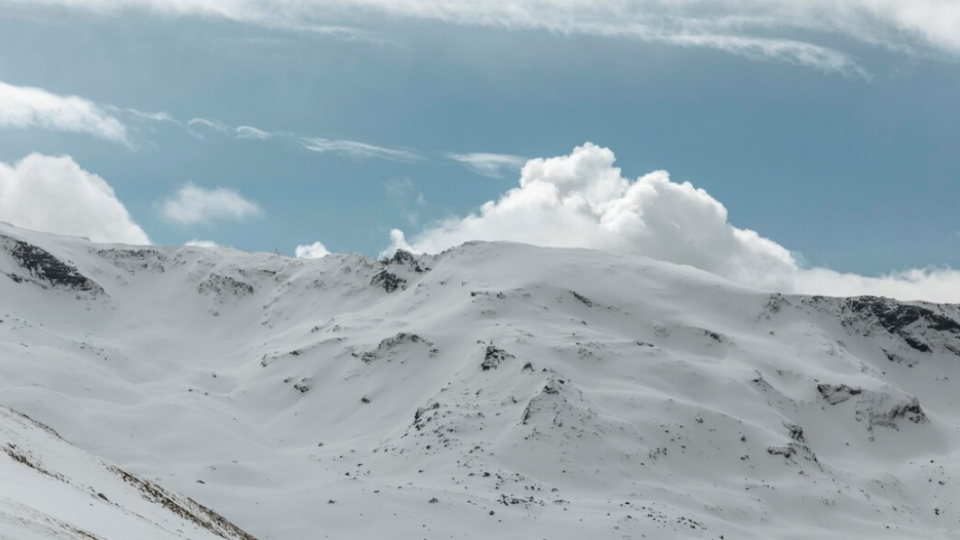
492	391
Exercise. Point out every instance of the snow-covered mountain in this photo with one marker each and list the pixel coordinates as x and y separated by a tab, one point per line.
491	391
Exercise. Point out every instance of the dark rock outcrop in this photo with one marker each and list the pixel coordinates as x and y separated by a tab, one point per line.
390	277
387	346
45	268
493	356
907	321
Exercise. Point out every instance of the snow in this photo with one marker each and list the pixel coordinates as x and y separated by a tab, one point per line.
572	393
54	490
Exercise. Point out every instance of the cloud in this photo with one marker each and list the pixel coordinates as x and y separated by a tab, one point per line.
315	250
193	204
492	165
53	194
582	200
196	127
350	149
158	117
248	132
798	31
358	150
26	107
201	244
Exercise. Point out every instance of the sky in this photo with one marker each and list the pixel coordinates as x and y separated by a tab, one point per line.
801	146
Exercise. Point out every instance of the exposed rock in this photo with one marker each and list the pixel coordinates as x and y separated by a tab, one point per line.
45	268
905	320
408	259
583	299
386	347
391	276
792	449
493	356
388	280
185	507
796	432
224	287
876	407
881	409
133	260
835	394
420	418
773	306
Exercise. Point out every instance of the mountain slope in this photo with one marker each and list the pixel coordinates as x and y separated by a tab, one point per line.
51	489
527	392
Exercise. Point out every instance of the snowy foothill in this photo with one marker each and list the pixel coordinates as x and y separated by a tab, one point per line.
491	390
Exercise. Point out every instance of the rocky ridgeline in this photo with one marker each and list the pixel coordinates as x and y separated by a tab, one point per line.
921	328
135	260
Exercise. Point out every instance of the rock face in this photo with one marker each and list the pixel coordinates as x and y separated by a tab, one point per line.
225	288
910	322
532	393
44	268
883	407
396	271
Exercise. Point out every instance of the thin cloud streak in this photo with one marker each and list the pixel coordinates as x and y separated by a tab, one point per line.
358	150
491	165
355	150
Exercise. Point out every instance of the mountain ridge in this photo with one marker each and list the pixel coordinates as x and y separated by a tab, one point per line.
568	392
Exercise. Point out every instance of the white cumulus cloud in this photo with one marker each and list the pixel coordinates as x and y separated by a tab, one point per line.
27	107
53	194
315	250
193	204
582	200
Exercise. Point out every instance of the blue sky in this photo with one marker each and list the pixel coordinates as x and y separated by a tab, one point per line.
849	160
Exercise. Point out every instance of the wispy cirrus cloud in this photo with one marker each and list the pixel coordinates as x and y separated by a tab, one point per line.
492	165
159	117
29	107
193	204
802	32
249	132
358	150
198	126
